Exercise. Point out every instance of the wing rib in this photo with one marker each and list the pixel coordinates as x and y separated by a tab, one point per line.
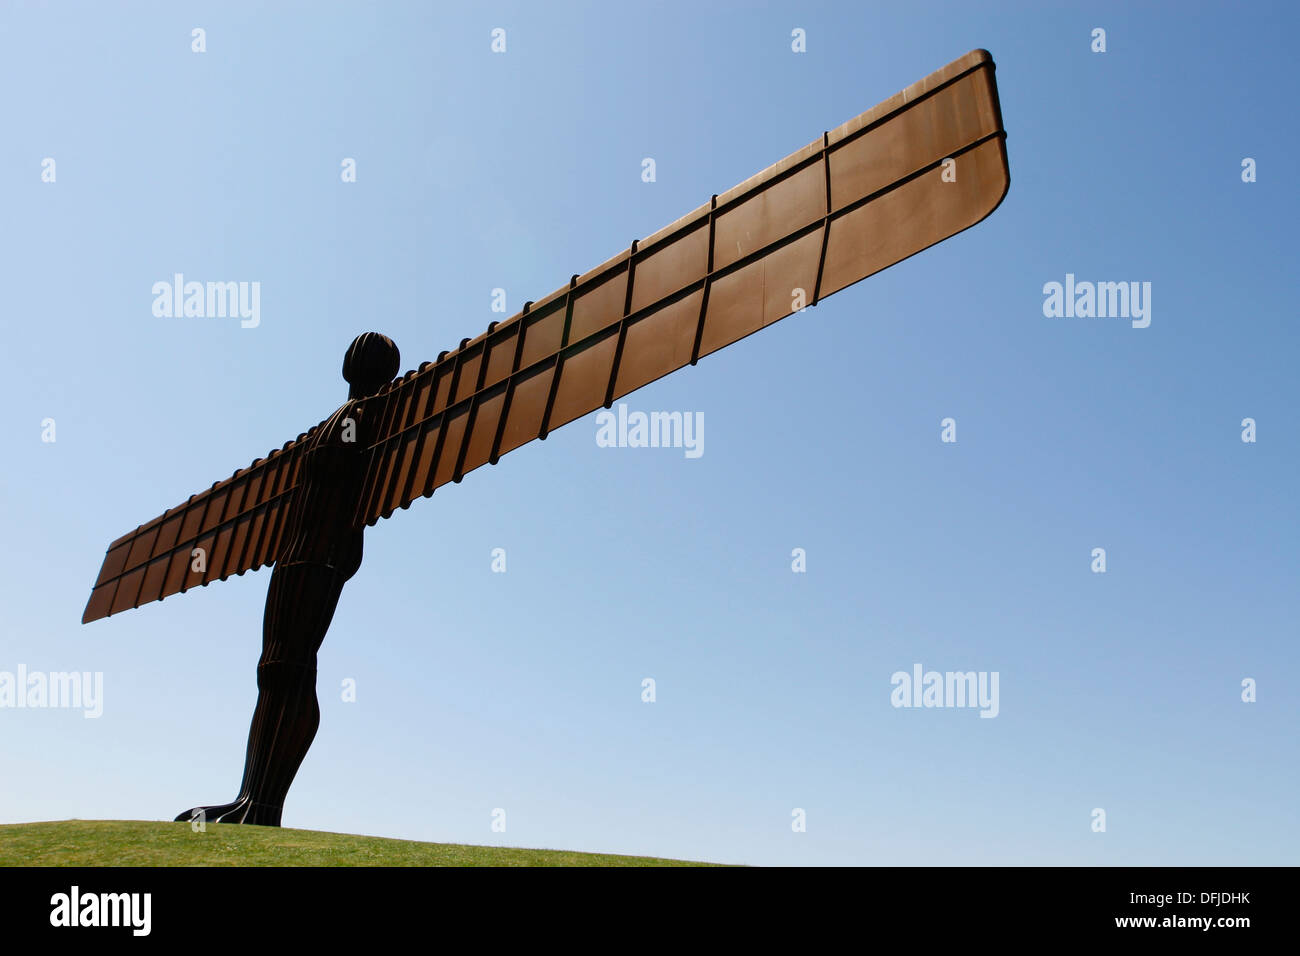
237	522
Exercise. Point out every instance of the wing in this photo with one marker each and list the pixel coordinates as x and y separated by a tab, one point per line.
237	522
863	197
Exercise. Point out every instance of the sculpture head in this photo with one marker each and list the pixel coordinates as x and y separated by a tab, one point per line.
371	362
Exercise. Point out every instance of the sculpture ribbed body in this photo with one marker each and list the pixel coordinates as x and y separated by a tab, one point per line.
322	550
322	530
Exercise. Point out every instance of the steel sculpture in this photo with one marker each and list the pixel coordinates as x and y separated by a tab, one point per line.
906	174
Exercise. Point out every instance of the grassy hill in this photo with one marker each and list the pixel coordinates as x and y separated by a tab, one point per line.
146	843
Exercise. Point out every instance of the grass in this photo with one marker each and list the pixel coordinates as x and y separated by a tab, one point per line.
147	843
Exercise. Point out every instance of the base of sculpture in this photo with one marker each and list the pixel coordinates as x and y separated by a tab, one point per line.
241	811
300	604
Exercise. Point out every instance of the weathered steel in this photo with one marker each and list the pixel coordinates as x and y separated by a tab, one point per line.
863	197
320	550
906	174
859	199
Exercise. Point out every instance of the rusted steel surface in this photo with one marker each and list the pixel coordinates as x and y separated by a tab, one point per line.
863	197
237	522
859	199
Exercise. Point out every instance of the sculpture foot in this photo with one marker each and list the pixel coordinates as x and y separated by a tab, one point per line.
241	811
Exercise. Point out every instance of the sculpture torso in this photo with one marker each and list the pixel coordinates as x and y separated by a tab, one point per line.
321	527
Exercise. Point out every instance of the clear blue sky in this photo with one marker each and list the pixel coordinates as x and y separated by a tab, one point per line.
523	690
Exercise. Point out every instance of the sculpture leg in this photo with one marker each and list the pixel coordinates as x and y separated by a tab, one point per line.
300	604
